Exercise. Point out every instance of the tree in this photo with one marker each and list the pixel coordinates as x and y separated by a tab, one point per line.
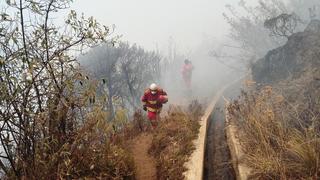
283	25
248	30
102	63
124	70
39	97
138	69
282	18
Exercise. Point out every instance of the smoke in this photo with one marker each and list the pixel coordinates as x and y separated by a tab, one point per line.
149	24
209	74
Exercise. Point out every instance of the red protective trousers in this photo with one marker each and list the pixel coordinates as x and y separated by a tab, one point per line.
153	116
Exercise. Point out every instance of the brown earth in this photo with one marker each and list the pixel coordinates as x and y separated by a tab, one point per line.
145	163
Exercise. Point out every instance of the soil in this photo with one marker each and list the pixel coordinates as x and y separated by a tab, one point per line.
145	163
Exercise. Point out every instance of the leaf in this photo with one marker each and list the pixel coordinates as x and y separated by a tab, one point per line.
35	8
15	40
43	43
5	17
2	62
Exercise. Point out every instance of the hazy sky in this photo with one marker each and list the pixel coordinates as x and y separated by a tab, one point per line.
152	22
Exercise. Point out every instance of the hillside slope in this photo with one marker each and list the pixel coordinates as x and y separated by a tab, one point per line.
295	67
293	60
279	121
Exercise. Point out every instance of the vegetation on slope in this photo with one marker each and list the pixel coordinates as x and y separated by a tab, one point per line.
279	141
173	141
279	121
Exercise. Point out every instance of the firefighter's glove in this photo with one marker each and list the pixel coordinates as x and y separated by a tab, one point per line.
144	108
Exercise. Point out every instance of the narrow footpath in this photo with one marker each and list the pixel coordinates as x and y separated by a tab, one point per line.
145	164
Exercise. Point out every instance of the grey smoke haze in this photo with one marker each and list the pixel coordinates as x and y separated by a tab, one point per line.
150	23
190	28
196	26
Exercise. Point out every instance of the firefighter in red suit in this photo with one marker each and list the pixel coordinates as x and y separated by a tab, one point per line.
153	99
187	73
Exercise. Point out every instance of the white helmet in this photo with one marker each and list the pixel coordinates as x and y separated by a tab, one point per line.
153	87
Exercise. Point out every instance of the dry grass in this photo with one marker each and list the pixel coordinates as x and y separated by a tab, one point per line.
281	140
172	141
97	151
90	153
94	151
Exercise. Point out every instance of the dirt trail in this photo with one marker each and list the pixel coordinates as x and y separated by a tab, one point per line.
145	164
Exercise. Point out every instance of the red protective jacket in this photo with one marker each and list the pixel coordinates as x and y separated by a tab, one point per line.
187	74
187	71
152	101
